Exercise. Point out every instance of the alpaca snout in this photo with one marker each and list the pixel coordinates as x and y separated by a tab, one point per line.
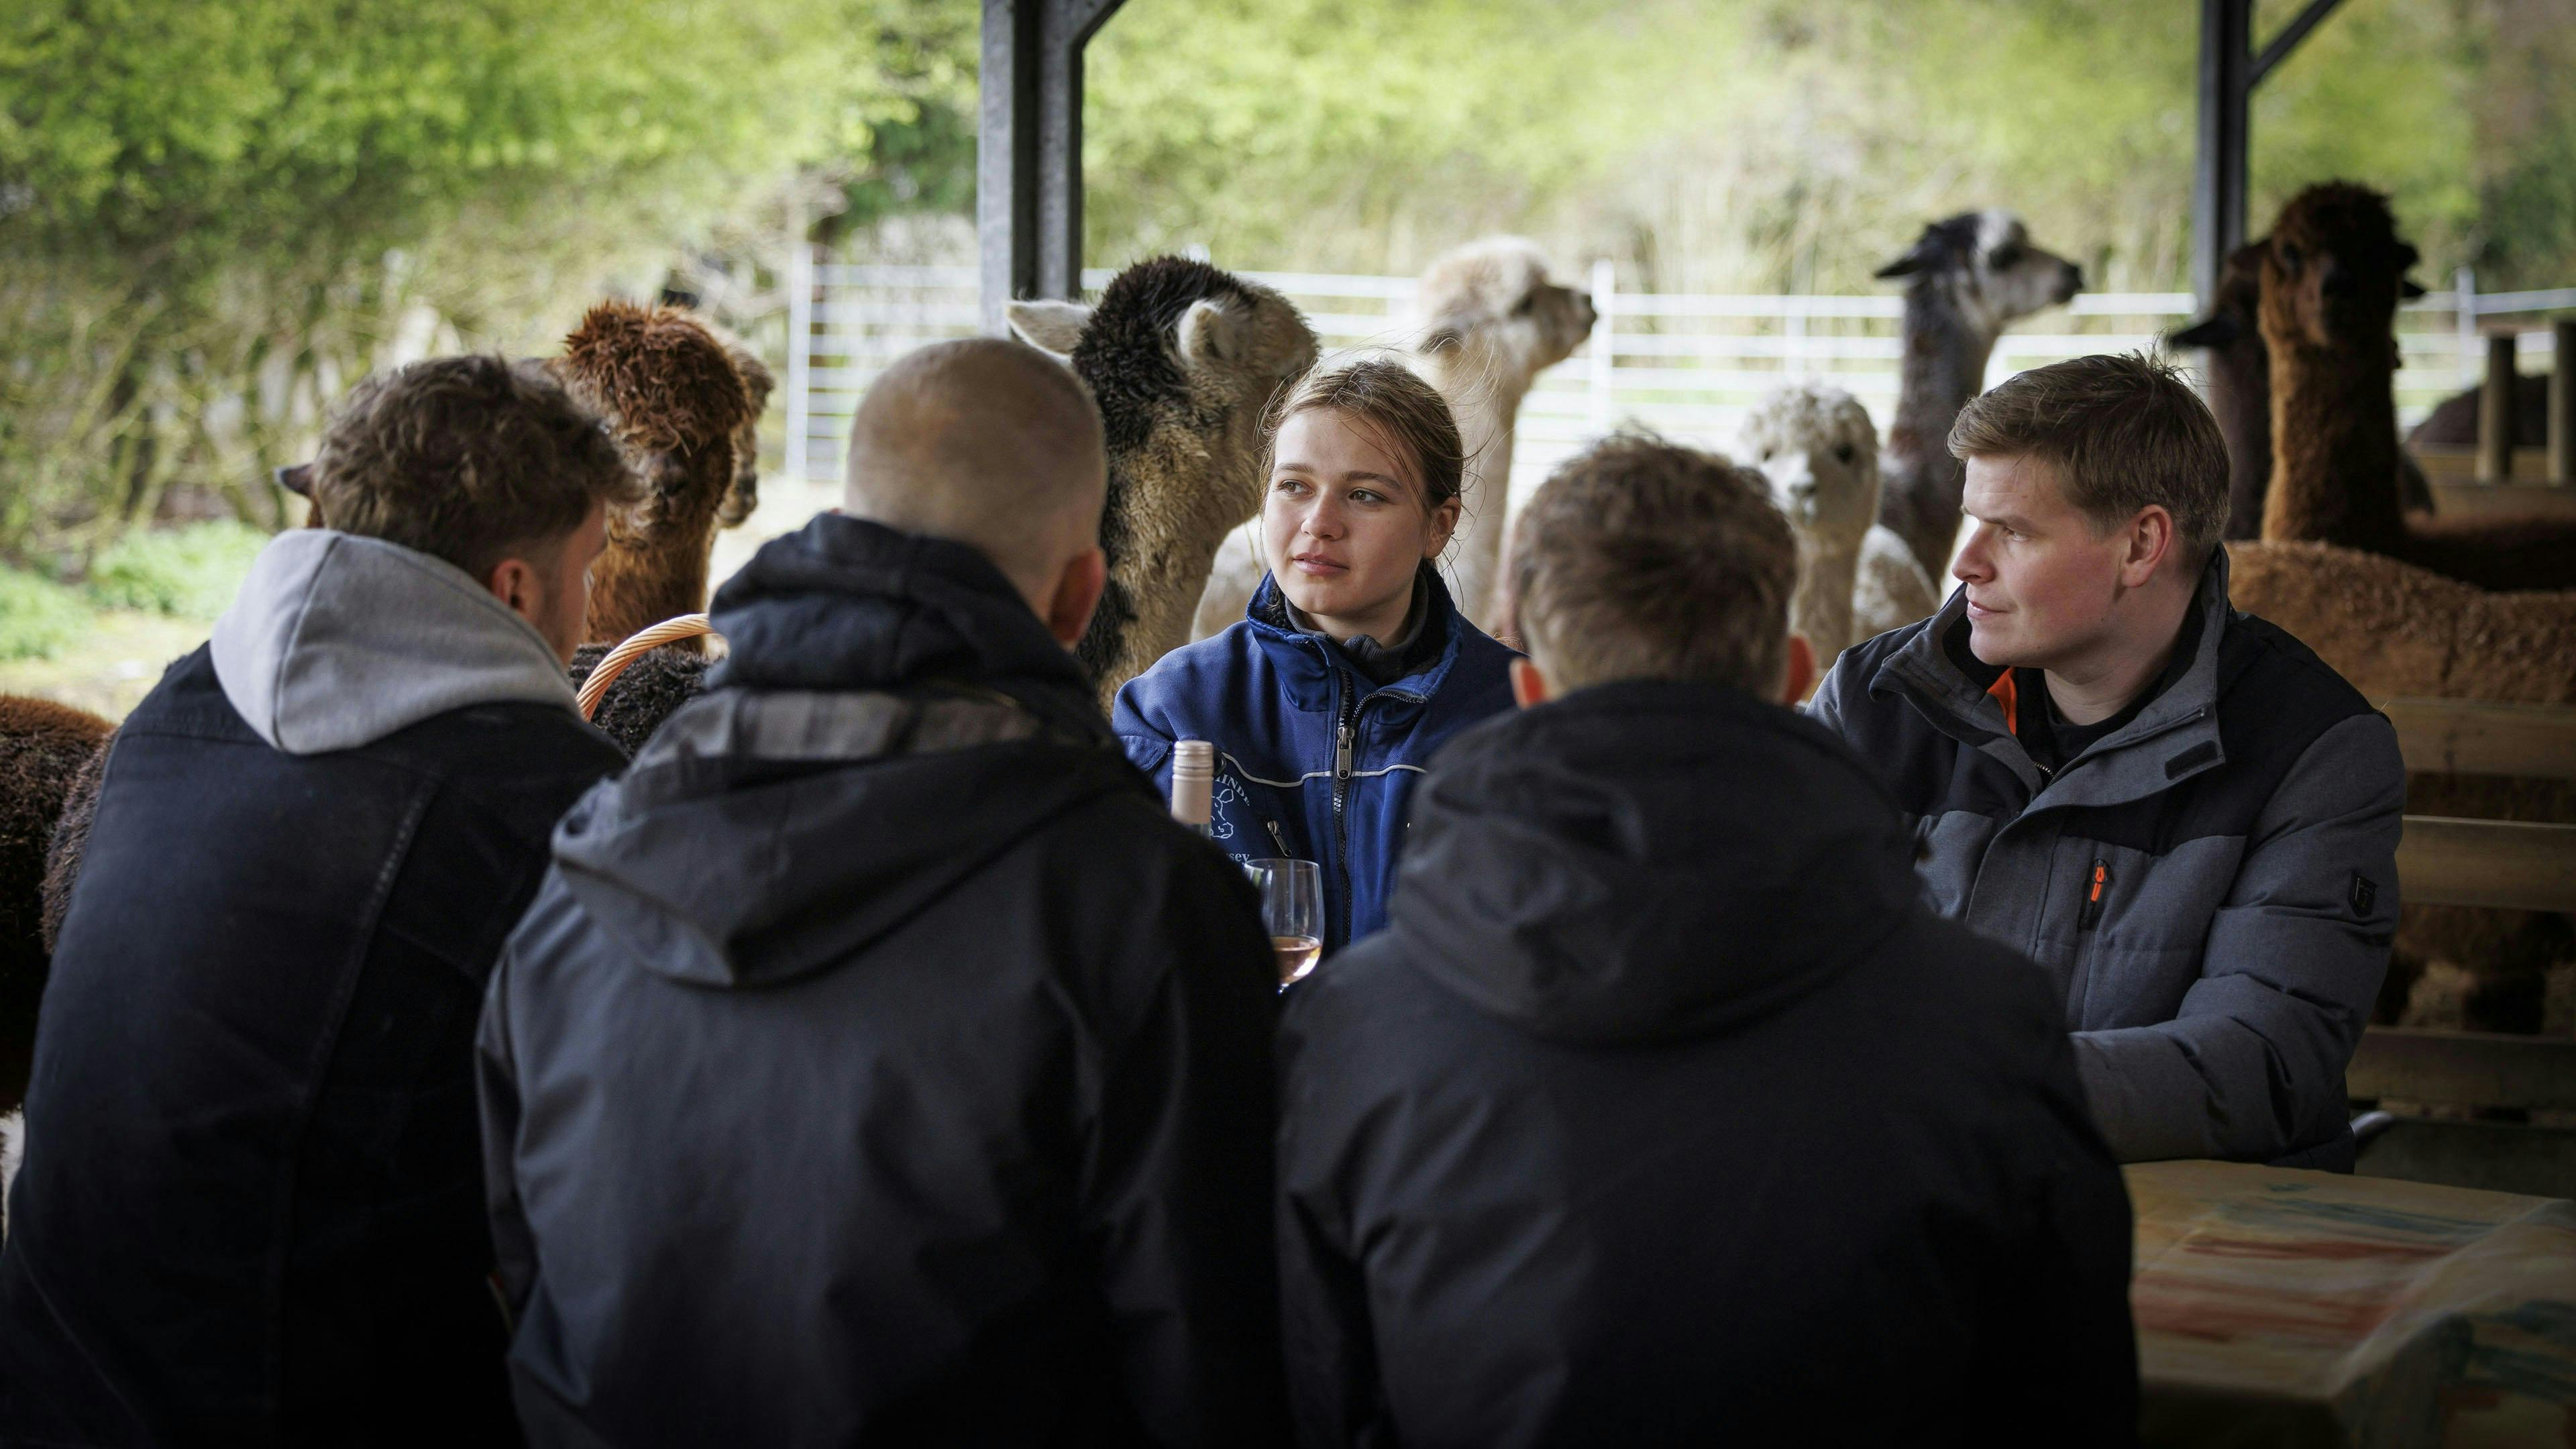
1793	488
2069	281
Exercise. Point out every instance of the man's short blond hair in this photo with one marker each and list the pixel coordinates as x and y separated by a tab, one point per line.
984	442
1642	559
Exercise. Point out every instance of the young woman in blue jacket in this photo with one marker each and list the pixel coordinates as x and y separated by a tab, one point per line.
1351	667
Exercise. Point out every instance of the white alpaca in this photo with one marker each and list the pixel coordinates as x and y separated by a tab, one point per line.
1488	322
1856	577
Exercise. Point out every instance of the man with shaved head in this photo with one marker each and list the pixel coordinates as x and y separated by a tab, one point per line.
879	1062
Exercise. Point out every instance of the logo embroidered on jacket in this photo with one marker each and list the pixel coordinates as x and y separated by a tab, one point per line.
2364	893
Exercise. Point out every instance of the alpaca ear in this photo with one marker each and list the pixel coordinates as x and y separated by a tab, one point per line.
1924	254
1210	334
1049	326
297	478
2215	330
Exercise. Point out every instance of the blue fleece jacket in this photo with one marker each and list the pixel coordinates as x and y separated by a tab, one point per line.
1313	761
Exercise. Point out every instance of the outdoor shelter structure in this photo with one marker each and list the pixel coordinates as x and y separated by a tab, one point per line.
1028	205
2230	69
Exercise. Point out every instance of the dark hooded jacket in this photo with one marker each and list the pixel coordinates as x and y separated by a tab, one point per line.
879	1063
1664	1114
251	1210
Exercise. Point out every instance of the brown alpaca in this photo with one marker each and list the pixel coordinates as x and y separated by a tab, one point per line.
2239	374
2333	270
43	746
758	382
675	402
2398	631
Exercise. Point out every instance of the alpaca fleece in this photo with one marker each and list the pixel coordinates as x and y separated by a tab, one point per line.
676	401
759	382
1856	578
1492	321
43	746
2398	631
653	687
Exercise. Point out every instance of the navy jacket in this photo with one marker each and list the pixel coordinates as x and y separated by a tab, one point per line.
879	1063
1314	762
1663	1113
251	1210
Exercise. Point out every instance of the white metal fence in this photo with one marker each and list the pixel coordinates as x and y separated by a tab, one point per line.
1687	366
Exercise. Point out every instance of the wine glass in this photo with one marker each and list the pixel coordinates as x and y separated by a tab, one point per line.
1292	907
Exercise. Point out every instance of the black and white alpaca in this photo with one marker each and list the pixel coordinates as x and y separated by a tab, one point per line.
1184	361
1969	277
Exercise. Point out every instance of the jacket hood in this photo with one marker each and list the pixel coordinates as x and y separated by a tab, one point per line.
1648	861
892	717
336	641
843	603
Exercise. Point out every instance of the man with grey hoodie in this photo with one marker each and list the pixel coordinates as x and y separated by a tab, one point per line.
251	1206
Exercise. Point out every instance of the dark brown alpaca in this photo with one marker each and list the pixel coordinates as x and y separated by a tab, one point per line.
2333	270
2239	375
43	746
675	401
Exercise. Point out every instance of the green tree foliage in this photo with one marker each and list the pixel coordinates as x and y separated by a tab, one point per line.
213	217
1758	144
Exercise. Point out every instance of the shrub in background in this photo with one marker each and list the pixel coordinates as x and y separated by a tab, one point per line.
191	571
38	617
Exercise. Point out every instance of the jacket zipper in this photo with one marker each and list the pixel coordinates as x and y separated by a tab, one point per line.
2096	881
1343	718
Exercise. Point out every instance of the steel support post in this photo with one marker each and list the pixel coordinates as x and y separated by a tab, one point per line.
1028	164
2229	72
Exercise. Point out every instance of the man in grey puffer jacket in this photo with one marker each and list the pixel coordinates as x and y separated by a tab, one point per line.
2177	809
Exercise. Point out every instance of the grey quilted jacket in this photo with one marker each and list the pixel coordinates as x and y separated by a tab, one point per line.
2214	884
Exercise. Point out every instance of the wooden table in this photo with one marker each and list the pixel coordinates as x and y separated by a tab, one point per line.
2310	1308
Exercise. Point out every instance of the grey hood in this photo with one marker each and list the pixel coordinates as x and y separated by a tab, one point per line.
336	641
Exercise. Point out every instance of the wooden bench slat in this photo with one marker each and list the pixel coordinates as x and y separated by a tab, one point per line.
2471	737
2463	1068
2507	864
2488	1156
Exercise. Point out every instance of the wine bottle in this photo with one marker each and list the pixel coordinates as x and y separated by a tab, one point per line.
1193	784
